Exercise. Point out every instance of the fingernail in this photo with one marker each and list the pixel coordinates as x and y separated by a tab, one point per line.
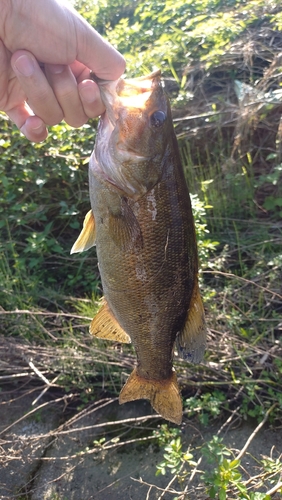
35	124
39	129
24	65
87	92
56	69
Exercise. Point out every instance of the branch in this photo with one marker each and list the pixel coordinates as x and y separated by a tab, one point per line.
260	425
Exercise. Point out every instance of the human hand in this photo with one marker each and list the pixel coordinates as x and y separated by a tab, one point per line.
46	53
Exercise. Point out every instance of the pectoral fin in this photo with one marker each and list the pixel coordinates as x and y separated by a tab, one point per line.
191	341
87	236
124	228
105	326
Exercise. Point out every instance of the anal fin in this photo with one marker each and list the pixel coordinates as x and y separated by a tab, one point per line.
105	326
87	236
164	395
191	341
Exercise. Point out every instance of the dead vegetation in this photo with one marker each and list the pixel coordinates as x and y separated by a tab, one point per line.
228	128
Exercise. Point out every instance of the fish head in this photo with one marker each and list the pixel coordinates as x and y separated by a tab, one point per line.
133	133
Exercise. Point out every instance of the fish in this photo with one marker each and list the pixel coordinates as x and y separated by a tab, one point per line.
142	224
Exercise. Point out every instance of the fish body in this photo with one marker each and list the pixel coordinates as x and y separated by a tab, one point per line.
142	224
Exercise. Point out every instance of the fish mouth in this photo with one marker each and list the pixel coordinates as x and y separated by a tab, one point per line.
125	148
130	94
134	93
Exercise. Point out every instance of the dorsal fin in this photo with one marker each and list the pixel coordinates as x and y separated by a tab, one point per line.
105	326
191	341
87	236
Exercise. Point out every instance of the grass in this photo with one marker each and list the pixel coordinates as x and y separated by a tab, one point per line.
48	298
240	379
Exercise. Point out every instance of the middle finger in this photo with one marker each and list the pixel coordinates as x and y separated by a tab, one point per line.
64	86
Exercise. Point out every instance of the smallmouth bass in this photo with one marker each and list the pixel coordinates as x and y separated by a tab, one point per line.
142	224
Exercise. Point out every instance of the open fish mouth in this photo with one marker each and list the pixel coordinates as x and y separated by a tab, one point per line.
134	93
127	134
131	94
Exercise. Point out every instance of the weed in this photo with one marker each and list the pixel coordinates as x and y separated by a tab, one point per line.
176	460
222	477
206	245
165	433
272	202
231	154
225	473
207	406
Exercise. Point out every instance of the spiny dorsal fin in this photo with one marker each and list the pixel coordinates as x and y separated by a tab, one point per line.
163	395
87	236
105	326
191	341
124	228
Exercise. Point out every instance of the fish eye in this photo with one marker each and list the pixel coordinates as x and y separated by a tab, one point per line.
157	118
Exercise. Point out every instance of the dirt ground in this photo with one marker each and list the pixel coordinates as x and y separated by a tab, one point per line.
55	453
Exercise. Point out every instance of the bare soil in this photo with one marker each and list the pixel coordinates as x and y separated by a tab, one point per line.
52	451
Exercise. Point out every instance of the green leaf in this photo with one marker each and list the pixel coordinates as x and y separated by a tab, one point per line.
222	494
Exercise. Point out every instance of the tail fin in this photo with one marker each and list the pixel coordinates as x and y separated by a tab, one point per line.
164	395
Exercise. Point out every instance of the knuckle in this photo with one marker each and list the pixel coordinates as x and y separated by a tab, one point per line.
54	119
75	121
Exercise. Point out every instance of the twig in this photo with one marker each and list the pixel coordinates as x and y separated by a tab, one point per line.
194	471
45	380
251	437
154	485
43	328
51	384
42	313
167	488
228	421
97	449
60	431
148	494
275	488
38	373
34	410
97	405
106	424
250	282
15	375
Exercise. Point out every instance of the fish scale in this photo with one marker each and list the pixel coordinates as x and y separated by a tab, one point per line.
142	224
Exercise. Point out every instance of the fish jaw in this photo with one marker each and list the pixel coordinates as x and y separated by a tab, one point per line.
132	134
